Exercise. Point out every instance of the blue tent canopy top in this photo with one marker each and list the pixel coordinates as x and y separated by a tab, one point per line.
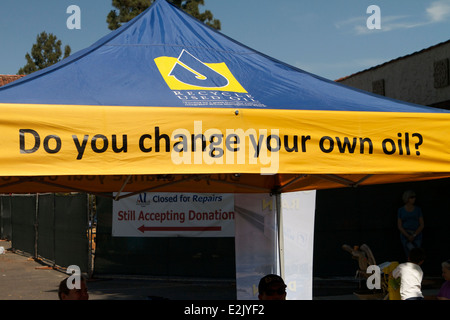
208	69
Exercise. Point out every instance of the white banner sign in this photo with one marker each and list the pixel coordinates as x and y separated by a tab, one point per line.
257	246
255	242
174	215
298	210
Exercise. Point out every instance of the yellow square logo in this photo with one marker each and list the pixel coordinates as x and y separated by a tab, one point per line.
189	73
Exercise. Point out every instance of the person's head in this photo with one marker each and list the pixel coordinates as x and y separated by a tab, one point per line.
446	270
64	293
416	255
271	287
408	196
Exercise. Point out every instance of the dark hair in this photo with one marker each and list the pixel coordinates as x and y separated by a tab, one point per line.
63	288
266	281
408	194
416	255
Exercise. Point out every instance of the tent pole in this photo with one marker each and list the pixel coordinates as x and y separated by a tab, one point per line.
363	179
338	179
280	189
241	185
36	226
158	187
72	189
21	180
280	235
123	186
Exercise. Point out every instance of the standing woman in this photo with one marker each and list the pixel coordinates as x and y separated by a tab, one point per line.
410	222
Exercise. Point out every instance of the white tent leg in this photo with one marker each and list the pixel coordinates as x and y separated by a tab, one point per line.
280	238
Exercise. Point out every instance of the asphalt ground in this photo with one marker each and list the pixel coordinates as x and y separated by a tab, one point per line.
24	278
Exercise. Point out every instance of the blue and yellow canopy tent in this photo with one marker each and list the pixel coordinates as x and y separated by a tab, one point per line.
165	103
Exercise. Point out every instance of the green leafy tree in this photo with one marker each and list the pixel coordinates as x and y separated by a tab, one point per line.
45	52
128	9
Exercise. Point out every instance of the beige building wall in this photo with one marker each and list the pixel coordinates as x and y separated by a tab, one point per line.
421	77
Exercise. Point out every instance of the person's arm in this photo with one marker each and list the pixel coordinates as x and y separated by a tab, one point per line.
403	231
396	272
420	228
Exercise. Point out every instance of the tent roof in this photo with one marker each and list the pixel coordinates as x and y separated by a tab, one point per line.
120	69
108	118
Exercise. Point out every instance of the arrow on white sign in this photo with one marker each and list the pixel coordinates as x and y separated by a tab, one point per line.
143	228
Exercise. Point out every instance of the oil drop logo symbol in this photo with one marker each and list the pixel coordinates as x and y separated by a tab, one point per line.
189	73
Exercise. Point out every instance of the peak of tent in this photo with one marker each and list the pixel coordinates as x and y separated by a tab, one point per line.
165	24
161	24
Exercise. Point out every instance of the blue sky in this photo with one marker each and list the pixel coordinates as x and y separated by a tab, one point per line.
328	38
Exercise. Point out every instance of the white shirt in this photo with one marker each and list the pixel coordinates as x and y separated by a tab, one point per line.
411	280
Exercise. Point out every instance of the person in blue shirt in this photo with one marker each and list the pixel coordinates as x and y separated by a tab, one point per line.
410	222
